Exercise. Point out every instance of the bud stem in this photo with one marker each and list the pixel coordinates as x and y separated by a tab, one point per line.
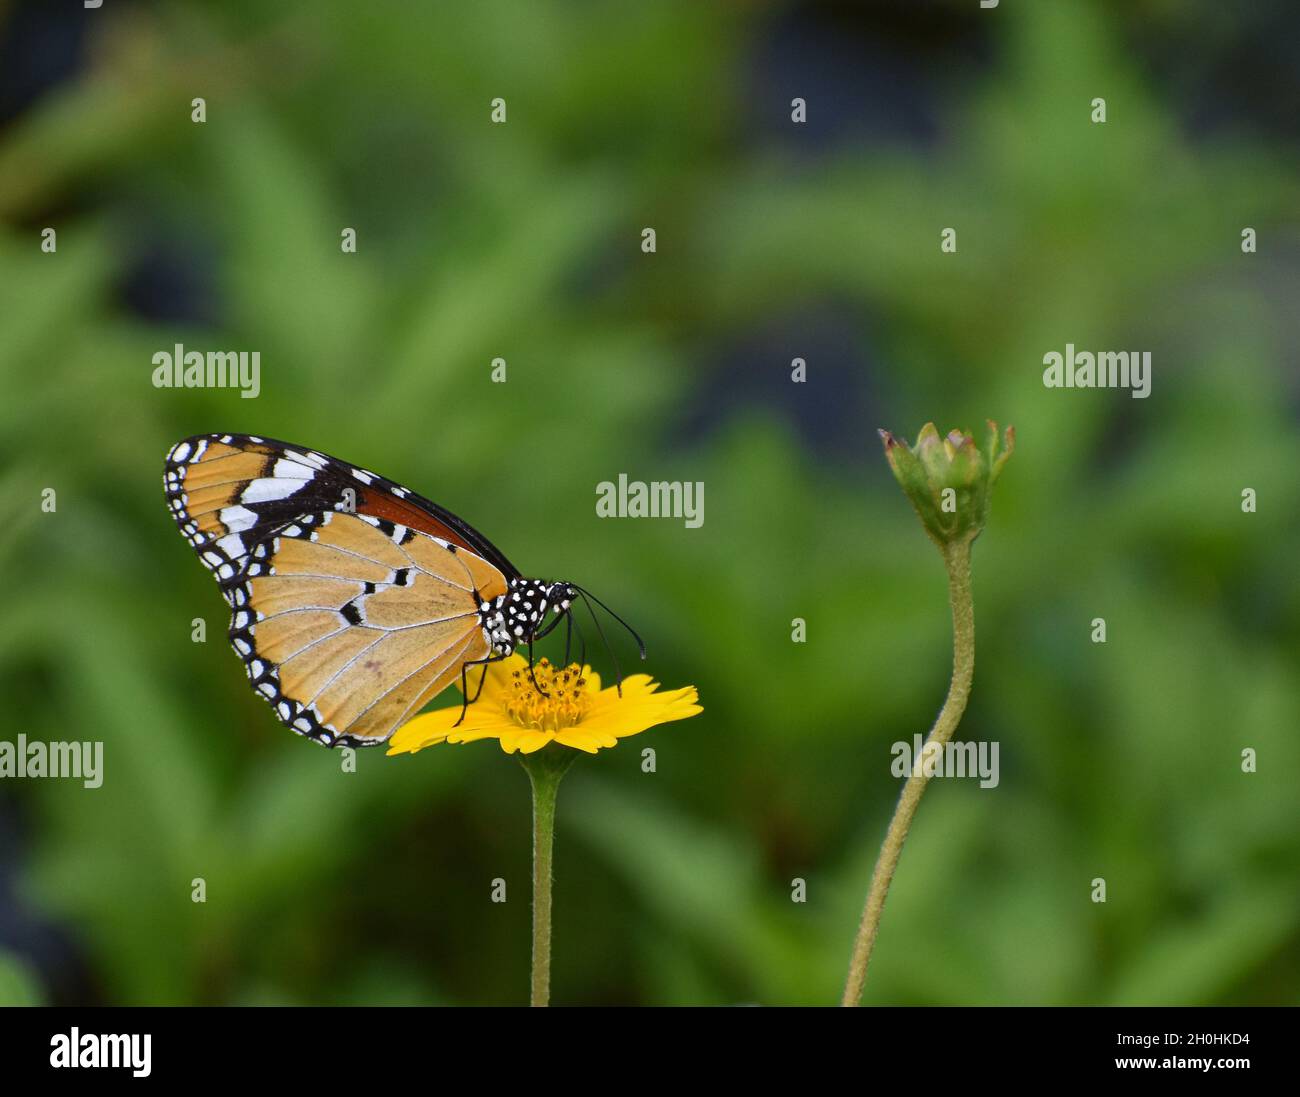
956	557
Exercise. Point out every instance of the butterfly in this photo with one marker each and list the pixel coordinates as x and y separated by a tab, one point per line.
353	601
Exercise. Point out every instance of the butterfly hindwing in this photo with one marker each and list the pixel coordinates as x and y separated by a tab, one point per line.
353	601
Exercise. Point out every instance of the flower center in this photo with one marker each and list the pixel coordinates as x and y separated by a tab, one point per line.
562	703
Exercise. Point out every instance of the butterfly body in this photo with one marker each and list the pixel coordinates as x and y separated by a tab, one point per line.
353	600
517	617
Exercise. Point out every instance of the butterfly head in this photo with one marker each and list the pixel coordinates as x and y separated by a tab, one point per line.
560	596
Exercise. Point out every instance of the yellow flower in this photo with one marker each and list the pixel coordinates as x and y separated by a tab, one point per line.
575	712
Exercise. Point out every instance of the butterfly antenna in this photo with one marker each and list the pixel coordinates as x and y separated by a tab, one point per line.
582	640
639	642
618	673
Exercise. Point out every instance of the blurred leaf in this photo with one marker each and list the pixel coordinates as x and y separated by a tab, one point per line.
18	985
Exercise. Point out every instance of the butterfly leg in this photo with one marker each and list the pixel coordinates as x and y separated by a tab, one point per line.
531	673
582	640
466	700
550	628
482	681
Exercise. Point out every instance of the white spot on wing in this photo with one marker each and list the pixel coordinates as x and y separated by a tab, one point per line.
315	460
292	470
237	519
266	489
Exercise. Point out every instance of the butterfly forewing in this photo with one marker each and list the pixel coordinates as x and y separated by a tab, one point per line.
353	601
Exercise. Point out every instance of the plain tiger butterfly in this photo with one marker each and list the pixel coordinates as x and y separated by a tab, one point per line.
353	601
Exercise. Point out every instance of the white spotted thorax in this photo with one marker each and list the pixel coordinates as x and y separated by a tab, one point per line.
515	618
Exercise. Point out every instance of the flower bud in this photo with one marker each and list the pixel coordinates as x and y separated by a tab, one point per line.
949	480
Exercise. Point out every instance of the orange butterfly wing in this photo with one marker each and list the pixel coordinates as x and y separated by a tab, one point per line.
353	603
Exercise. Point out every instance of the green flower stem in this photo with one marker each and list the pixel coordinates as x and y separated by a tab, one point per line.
957	558
545	768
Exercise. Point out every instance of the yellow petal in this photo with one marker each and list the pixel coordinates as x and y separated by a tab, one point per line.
491	729
625	728
635	687
635	714
424	731
581	738
530	741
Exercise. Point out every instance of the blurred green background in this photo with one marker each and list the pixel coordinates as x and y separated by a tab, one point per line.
775	241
